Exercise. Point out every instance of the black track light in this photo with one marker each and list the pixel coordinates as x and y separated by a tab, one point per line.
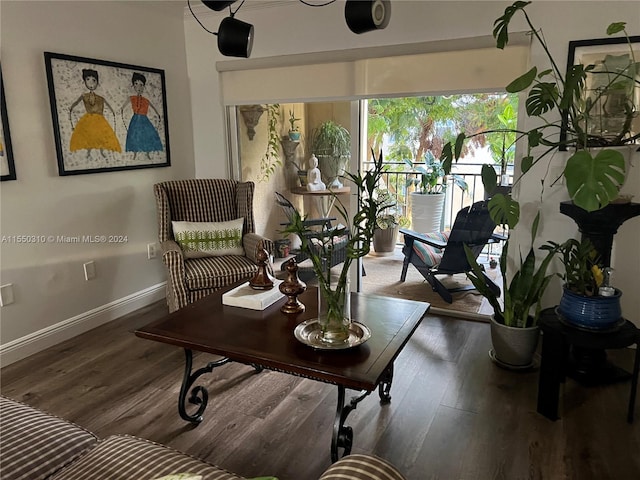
235	38
218	5
367	15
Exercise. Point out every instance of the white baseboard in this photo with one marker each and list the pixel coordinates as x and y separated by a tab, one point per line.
37	341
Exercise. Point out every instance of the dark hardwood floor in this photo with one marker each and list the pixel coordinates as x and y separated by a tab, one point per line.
453	413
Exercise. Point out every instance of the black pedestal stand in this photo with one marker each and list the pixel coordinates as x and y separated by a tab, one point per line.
590	366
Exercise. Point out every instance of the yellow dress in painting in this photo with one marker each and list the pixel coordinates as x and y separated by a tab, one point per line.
93	130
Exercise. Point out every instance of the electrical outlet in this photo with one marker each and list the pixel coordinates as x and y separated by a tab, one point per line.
151	250
6	294
89	270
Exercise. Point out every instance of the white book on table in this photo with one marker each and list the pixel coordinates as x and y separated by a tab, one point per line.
246	297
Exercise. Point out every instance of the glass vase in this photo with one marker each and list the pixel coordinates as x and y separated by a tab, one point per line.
334	314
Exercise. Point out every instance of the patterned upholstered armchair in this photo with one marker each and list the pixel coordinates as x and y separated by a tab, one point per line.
193	274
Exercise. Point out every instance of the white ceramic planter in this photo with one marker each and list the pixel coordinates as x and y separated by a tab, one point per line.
426	211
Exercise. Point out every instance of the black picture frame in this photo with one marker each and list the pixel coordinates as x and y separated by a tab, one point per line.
7	166
107	116
583	51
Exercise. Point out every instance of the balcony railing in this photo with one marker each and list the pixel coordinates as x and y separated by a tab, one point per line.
397	181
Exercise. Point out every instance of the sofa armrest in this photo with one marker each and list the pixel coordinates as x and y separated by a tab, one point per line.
123	457
35	444
361	467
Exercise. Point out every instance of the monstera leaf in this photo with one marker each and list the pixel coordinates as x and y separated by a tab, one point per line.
593	182
542	98
504	210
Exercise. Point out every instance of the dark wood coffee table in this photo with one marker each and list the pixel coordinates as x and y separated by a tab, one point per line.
264	339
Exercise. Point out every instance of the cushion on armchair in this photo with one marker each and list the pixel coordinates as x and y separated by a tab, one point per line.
205	239
216	272
431	256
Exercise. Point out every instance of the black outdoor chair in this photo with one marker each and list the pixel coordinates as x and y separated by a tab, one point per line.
321	232
442	253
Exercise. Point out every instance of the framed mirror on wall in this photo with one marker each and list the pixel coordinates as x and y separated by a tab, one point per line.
611	96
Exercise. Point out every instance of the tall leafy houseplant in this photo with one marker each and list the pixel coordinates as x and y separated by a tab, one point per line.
593	179
360	231
514	325
331	143
521	306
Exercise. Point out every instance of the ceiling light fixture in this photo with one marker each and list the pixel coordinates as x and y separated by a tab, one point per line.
367	15
235	37
218	5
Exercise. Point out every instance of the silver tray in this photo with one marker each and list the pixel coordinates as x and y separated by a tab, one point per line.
308	332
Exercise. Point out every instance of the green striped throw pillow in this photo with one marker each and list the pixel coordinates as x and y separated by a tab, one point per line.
209	239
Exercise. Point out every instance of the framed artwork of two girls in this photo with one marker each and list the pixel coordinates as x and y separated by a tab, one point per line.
107	116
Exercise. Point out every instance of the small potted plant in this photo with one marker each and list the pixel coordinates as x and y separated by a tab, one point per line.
588	301
388	223
294	131
301	172
427	201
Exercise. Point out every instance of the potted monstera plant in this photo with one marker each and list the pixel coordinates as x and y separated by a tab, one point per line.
593	174
594	171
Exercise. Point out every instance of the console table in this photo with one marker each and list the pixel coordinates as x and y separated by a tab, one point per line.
557	340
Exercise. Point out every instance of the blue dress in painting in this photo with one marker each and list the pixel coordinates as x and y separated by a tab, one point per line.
142	136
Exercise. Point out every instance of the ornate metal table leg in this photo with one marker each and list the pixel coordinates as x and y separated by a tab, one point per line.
199	395
384	387
258	368
342	434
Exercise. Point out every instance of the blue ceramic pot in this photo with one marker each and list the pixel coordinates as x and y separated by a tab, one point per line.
593	313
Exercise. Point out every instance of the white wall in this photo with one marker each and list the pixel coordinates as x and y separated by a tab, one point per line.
48	280
293	28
